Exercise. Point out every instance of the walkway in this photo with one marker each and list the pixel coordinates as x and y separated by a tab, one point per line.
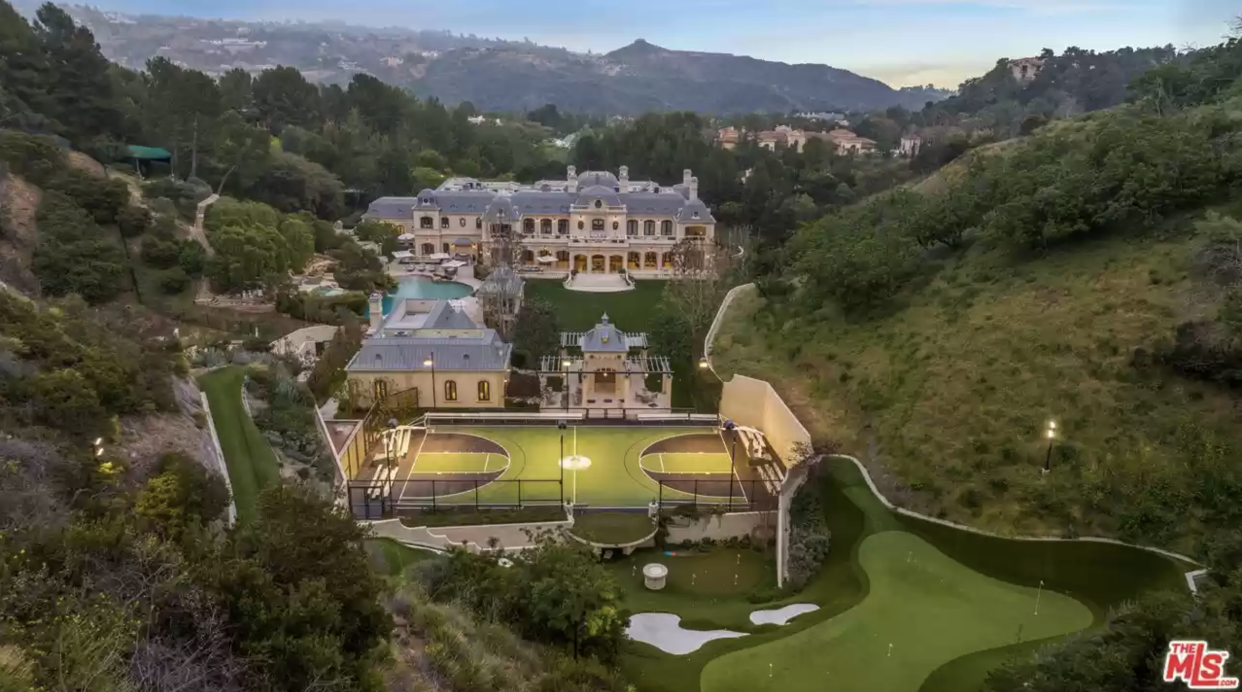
599	283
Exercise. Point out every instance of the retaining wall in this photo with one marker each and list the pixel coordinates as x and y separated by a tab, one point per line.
473	538
717	527
219	457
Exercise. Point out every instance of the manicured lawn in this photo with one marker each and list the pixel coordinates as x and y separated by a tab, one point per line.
613	528
701	587
632	312
929	608
578	311
391	558
952	632
251	462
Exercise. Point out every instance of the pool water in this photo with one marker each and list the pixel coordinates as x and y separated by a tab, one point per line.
424	288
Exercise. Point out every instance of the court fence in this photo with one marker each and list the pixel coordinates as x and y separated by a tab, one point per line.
572	417
376	500
736	495
380	500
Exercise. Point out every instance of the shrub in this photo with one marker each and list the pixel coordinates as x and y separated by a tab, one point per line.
133	220
160	252
174	281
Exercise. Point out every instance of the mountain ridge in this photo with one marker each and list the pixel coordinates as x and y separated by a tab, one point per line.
496	74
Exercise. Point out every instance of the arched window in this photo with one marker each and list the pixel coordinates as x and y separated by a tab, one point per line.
666	228
426	222
562	227
429	249
615	225
631	227
462	222
446	250
380	388
649	228
599	204
649	260
528	226
450	390
478	222
581	225
485	390
597	224
444	222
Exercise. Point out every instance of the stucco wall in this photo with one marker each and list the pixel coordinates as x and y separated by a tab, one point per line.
292	342
719	527
754	403
467	387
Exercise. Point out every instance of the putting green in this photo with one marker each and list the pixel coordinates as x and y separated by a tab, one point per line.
929	607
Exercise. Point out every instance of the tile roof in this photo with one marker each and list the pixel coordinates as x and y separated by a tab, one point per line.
605	337
445	316
386	354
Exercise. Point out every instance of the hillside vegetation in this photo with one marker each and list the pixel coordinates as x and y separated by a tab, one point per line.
1076	276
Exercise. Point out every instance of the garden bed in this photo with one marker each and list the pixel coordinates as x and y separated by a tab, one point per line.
613	528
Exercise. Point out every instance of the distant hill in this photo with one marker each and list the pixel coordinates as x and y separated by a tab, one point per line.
496	74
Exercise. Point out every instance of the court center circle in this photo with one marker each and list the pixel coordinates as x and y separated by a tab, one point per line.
575	462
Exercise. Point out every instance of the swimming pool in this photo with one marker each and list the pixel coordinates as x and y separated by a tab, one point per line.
421	287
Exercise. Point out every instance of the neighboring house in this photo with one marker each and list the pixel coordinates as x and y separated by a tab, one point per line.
847	142
593	222
910	145
1026	69
783	134
434	352
728	137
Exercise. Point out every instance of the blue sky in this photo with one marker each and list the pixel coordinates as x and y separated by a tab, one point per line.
898	41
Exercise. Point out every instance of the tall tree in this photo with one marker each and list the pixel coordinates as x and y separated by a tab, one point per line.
80	88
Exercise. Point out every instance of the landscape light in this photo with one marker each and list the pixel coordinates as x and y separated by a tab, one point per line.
1051	434
426	362
98	441
99	452
702	363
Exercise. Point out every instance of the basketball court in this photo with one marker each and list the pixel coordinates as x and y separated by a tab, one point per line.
600	466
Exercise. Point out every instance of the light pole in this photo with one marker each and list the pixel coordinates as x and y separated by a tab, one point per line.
728	426
1051	434
430	362
561	426
565	366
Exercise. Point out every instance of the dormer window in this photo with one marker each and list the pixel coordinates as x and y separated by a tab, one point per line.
599	204
426	200
695	215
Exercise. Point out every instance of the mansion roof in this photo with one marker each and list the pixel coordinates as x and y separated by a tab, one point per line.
473	354
513	202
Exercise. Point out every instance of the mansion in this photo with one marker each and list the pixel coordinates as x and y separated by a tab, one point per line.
593	222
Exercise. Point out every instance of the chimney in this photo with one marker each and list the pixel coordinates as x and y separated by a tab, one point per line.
624	178
376	308
694	188
571	178
685	177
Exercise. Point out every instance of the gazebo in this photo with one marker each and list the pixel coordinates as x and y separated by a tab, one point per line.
140	156
606	371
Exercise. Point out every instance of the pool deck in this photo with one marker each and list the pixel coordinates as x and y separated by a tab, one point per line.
465	275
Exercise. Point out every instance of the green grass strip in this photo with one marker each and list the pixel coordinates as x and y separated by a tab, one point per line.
251	462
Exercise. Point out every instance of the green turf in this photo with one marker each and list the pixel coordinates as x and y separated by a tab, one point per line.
579	311
631	311
251	462
929	608
391	557
1098	576
614	478
613	528
450	462
685	462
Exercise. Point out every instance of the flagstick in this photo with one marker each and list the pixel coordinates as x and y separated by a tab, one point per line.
1038	594
890	650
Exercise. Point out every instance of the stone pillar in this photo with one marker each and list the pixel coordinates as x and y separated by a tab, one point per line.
666	386
375	306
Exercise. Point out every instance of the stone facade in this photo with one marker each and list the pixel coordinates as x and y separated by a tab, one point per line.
593	222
